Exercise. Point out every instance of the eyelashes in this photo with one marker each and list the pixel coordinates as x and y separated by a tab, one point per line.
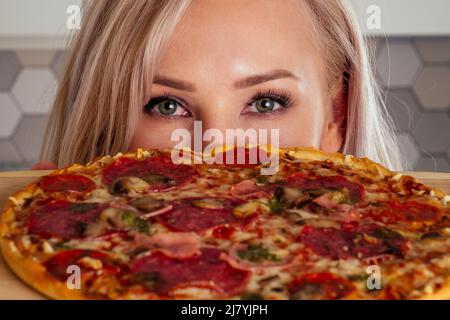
268	103
264	102
283	97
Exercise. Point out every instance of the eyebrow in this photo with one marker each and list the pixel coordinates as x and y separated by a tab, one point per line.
240	84
173	83
261	78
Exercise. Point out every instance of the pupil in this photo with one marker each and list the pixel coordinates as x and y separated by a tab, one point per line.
167	107
265	105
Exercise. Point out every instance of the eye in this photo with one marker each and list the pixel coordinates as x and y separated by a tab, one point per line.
266	105
269	101
166	106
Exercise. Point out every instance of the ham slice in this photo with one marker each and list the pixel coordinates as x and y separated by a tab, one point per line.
248	188
325	201
172	244
243	188
157	212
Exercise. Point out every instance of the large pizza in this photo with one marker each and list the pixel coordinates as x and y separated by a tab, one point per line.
139	226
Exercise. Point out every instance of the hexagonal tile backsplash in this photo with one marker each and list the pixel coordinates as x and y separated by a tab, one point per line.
414	74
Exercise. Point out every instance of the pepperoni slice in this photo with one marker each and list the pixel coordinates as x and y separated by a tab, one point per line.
162	274
67	182
63	219
59	263
354	241
187	215
304	182
159	171
322	285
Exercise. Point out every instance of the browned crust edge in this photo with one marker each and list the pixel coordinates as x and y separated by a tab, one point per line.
35	275
358	165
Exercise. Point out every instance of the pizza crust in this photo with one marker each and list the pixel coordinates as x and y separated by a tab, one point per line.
363	166
442	294
35	275
31	272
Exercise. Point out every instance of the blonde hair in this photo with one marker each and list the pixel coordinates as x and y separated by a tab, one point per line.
113	59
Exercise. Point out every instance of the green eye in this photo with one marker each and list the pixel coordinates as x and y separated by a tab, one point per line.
265	105
167	107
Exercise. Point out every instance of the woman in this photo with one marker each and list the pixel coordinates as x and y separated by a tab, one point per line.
138	70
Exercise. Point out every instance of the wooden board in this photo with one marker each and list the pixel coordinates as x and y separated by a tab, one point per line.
12	288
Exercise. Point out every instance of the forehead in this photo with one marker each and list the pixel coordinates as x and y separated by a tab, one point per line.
235	37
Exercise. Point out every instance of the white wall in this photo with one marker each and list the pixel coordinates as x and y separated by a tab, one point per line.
409	17
34	23
41	23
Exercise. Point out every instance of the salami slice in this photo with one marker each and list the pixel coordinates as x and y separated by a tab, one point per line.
304	182
162	274
354	241
63	219
67	182
199	214
323	285
159	171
